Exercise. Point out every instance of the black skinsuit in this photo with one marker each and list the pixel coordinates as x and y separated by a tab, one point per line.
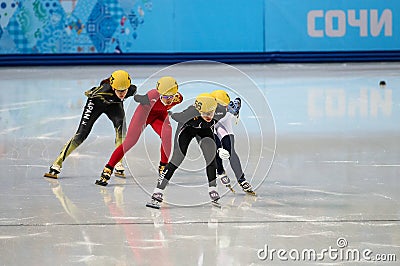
192	125
101	99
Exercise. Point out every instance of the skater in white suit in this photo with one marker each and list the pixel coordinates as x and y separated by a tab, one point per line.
225	138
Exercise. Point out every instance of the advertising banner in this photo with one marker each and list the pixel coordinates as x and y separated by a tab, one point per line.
332	25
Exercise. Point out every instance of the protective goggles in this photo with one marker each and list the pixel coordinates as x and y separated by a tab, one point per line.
207	114
167	97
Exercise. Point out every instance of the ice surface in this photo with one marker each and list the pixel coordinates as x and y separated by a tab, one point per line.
319	142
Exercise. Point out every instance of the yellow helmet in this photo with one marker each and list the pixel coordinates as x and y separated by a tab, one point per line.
167	86
205	103
221	96
120	80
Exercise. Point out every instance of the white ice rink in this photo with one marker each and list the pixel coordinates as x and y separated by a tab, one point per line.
320	142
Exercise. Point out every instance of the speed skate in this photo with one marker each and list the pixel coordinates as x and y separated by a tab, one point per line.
119	174
153	204
216	204
50	175
251	192
119	170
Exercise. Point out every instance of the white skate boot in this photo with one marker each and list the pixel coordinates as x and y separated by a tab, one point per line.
247	188
225	181
156	200
53	172
214	198
119	170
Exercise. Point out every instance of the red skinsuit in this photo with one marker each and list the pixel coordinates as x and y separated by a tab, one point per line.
155	115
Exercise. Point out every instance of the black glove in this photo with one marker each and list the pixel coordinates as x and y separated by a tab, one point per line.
88	93
142	99
134	88
173	116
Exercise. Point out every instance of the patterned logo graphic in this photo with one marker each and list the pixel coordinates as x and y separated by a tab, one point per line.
7	9
70	26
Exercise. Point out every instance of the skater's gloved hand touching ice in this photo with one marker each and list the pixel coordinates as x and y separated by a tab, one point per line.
142	99
223	154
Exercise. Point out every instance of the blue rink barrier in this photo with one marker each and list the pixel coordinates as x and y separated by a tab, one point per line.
166	32
171	58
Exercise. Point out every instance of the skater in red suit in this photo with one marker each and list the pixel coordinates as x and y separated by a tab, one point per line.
153	111
195	122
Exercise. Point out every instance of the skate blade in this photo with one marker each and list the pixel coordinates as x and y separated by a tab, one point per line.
231	189
100	183
153	205
216	204
251	193
120	175
50	175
